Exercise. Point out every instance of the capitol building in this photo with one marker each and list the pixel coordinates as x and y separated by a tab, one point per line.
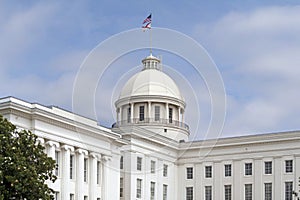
147	155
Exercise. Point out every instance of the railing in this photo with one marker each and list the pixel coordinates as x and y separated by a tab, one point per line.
151	121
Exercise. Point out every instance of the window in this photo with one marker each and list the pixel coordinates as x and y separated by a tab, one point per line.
289	166
227	170
268	167
165	170
98	172
152	190
248	169
268	191
152	166
57	155
170	115
121	162
208	193
71	166
85	197
227	189
139	163
189	193
248	191
156	113
142	113
85	169
129	115
138	188
208	171
189	173
165	192
71	196
288	190
121	187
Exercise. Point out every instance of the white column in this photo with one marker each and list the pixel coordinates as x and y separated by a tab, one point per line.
93	175
118	112
149	110
65	186
167	112
121	113
132	112
52	146
79	173
178	114
105	178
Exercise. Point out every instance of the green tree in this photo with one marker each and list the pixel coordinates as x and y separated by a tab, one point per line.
24	167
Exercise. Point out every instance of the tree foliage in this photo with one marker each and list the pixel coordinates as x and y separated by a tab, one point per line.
24	167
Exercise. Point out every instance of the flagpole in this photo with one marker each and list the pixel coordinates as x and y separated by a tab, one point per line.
150	41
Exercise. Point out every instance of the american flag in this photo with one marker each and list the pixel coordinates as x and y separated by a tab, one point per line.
148	19
147	26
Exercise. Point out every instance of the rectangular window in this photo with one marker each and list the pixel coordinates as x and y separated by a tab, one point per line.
248	191
289	166
138	188
248	169
71	166
129	115
121	187
165	170
152	191
165	192
189	193
121	162
157	113
227	170
139	163
189	173
288	191
85	170
142	113
71	196
98	172
268	191
170	115
208	193
208	171
227	189
57	160
268	167
153	166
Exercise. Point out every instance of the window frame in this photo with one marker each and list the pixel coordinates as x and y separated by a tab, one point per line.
268	167
227	192
189	193
227	170
268	191
139	161
208	171
208	192
156	113
248	169
141	113
248	191
189	173
289	166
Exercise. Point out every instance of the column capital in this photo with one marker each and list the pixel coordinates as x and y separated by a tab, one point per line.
82	151
40	141
52	143
67	148
106	158
95	155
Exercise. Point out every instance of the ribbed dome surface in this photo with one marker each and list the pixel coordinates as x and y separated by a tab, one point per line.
151	82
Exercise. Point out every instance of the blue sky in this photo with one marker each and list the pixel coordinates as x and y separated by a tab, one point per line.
255	45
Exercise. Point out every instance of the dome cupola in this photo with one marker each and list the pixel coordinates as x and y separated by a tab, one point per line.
152	100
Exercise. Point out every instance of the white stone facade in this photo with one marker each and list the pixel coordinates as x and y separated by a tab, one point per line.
147	156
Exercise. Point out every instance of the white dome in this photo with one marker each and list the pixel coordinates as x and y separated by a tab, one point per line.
151	82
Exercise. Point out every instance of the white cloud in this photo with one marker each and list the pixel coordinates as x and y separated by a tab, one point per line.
258	54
